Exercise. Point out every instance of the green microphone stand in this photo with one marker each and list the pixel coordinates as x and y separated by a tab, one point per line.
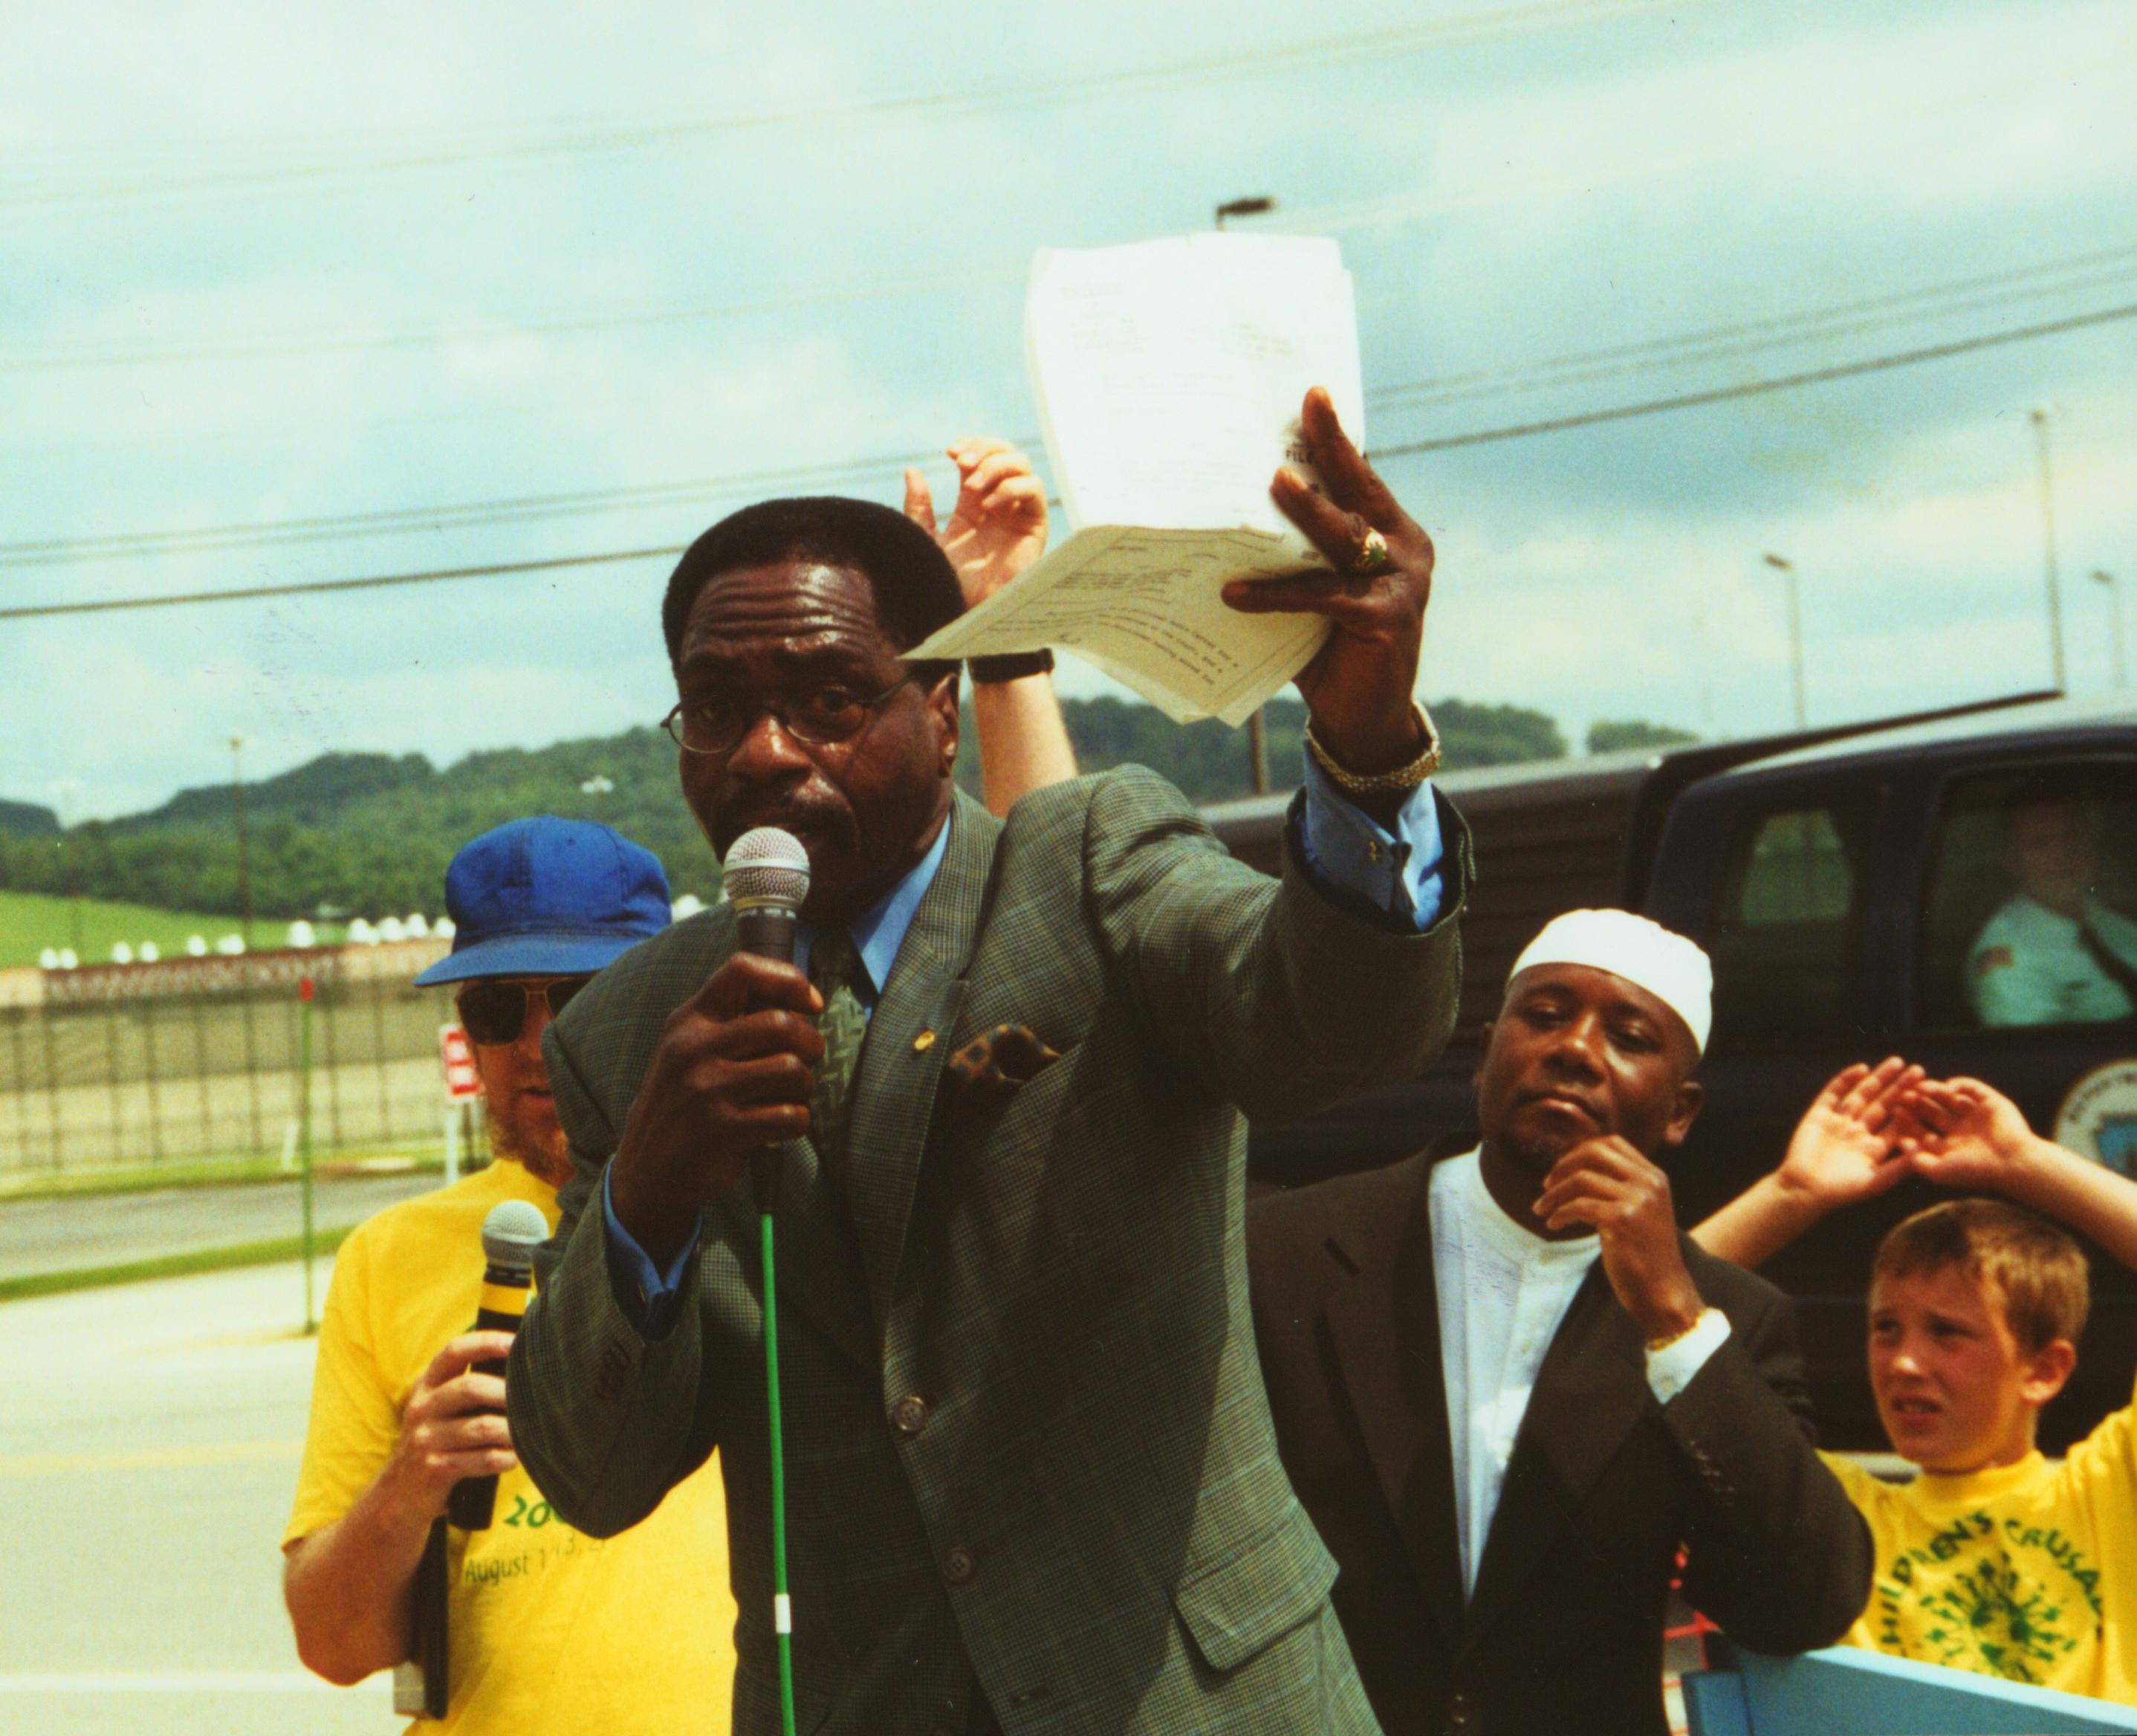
764	1177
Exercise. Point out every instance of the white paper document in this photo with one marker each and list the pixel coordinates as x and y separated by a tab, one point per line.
1169	376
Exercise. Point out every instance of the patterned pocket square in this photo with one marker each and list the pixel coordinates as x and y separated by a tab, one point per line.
987	1070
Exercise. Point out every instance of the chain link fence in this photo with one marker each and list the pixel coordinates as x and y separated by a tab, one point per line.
141	1063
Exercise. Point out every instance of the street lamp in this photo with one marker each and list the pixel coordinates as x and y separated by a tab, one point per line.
1255	205
2114	618
2039	421
1795	635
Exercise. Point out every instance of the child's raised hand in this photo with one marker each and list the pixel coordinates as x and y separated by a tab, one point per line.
1845	1147
1964	1134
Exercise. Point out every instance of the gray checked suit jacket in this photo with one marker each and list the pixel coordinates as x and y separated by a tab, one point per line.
1027	1445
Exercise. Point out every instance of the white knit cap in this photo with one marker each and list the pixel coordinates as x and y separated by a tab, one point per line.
1672	968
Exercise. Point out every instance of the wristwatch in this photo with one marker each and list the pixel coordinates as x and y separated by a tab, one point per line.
1013	667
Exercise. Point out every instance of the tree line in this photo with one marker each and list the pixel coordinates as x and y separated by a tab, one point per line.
370	834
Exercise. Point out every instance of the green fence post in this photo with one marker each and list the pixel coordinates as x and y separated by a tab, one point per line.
18	1017
52	1090
148	1073
329	1007
252	1057
200	1063
111	1070
304	1135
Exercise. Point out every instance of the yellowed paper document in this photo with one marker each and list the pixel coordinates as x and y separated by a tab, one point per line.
1169	376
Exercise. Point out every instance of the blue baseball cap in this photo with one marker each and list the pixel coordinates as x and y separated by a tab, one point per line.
548	898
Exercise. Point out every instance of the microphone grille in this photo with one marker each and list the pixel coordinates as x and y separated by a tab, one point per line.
511	1233
765	866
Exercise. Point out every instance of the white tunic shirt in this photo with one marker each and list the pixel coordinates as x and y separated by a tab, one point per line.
1503	1292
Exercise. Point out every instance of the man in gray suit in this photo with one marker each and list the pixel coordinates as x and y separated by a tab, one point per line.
1031	1480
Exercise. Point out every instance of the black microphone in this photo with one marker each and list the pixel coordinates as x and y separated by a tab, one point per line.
510	1234
765	878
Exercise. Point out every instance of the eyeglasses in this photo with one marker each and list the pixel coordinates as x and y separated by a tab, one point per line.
496	1011
715	723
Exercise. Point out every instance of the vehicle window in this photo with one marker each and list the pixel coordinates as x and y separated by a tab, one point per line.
2031	917
1784	948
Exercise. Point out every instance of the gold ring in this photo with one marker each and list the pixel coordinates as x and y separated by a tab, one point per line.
1372	555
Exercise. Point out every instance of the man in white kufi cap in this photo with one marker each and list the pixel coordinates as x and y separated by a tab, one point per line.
1508	1389
1642	951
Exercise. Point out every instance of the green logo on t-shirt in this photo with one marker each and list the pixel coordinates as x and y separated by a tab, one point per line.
1990	1596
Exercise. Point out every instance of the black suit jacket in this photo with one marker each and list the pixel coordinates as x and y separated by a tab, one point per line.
1564	1633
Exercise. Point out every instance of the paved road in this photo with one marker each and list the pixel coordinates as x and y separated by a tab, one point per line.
62	1234
149	1446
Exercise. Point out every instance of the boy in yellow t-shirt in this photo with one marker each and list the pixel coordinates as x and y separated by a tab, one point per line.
1994	1559
549	1632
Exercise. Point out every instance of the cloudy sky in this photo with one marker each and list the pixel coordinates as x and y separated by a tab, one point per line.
295	292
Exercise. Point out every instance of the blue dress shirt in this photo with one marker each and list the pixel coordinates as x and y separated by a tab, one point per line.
1395	873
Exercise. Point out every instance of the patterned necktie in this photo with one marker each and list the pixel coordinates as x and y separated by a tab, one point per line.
835	967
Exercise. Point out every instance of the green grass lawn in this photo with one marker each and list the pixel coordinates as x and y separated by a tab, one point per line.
31	921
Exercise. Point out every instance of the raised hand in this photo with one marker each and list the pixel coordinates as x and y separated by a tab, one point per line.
1609	1186
1359	684
453	1426
998	527
1847	1146
1967	1134
1973	1136
733	1071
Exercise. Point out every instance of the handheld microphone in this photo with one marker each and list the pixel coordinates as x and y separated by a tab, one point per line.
510	1234
766	877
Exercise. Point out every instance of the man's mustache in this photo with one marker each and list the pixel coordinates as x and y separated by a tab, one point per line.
815	821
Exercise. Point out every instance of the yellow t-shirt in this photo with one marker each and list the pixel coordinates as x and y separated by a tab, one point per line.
2021	1572
551	1633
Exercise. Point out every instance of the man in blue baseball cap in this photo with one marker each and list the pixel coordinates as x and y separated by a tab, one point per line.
537	907
547	1630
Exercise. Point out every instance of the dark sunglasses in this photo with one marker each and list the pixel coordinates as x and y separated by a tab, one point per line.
496	1012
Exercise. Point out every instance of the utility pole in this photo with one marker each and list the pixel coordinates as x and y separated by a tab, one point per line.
2115	619
1795	636
2040	418
244	872
1257	725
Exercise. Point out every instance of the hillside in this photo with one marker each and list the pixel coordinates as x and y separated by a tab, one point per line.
365	834
26	819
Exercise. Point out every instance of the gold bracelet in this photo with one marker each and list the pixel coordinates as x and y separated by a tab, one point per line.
1374	783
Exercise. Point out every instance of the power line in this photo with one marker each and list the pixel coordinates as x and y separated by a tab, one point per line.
1586	178
1610	361
1481	436
1752	388
330	157
393	520
47	358
2098	269
1383	211
35	612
